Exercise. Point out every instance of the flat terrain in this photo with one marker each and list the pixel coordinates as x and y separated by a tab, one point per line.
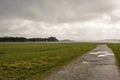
98	64
32	61
116	50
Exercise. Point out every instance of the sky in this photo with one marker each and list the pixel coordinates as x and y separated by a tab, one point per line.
64	19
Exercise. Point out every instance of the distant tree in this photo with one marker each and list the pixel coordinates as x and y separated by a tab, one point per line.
22	39
52	39
12	39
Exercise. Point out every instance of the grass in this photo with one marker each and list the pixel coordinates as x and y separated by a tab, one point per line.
116	50
32	61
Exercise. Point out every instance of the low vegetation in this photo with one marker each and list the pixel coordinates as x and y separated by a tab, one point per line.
32	61
116	50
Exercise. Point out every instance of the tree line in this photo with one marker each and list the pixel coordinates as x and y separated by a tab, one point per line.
23	39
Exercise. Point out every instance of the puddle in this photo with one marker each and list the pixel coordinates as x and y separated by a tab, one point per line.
85	62
93	53
99	52
102	53
105	54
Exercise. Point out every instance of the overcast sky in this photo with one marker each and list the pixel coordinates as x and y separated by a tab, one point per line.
64	19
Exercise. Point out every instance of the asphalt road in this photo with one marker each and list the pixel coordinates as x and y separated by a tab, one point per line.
98	64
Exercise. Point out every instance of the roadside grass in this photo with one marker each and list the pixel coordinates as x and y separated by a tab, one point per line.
32	61
116	50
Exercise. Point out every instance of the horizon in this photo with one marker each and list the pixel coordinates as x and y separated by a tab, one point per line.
99	40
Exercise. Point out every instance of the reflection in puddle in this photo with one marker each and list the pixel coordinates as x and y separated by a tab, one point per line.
96	52
102	53
85	62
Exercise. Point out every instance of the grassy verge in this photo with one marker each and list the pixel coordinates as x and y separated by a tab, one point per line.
116	50
32	61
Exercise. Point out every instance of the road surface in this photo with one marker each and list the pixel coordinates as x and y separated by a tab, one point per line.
98	64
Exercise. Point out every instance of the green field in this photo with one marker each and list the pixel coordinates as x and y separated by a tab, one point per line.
116	50
32	61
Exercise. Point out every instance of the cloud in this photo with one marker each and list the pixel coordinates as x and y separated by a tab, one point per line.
65	19
55	10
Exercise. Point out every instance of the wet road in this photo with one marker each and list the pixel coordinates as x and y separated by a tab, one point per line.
98	64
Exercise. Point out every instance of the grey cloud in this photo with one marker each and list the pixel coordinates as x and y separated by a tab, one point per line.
76	19
54	10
